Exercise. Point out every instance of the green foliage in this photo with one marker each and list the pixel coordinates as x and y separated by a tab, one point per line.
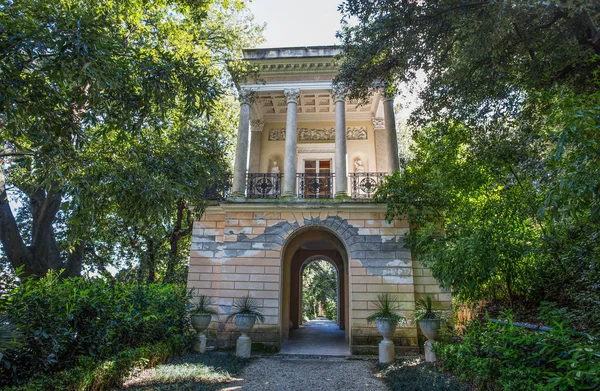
208	371
117	117
319	287
90	374
496	356
246	306
201	305
424	310
10	337
387	307
62	320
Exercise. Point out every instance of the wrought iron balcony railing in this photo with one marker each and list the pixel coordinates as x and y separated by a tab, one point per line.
364	184
315	185
263	186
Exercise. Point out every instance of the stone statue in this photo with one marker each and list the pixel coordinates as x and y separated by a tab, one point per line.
358	166
274	168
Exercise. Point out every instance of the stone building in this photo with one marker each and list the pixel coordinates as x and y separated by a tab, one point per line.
307	163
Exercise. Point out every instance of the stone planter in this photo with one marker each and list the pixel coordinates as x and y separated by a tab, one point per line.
386	328
200	322
430	328
244	324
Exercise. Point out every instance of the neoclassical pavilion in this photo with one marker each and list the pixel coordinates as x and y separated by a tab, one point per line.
307	162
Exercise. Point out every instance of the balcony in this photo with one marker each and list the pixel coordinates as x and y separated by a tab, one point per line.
312	186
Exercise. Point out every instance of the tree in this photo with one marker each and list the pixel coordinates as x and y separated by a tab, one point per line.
503	189
93	91
319	290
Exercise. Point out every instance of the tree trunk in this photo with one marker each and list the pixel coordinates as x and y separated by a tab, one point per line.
43	254
176	235
17	252
151	259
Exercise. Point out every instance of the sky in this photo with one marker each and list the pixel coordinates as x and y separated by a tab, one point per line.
297	22
309	23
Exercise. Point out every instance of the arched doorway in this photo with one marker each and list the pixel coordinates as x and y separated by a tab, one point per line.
303	247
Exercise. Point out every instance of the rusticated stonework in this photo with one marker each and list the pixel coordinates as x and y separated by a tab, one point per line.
236	253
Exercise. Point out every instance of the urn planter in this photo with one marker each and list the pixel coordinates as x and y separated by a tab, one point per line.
200	322
244	323
430	328
386	328
245	313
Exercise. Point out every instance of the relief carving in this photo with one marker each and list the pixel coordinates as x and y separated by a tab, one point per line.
326	134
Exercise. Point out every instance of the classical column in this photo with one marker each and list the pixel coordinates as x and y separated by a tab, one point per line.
241	151
256	127
390	127
289	160
341	172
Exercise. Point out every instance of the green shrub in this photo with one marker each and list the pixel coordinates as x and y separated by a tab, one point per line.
505	357
90	374
62	320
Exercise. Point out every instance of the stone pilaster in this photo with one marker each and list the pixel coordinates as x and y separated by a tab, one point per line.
341	171
257	127
241	152
381	147
289	160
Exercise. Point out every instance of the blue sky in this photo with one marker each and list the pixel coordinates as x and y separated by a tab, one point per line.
297	22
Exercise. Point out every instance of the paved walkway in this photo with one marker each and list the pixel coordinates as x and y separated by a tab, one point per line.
320	337
301	374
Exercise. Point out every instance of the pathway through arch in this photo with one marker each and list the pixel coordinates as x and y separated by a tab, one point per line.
321	337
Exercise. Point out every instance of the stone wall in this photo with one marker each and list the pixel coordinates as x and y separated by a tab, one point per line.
239	249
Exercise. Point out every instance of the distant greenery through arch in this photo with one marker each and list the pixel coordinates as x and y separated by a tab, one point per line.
319	290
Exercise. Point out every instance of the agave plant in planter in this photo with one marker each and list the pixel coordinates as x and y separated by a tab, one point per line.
387	319
427	318
245	312
200	316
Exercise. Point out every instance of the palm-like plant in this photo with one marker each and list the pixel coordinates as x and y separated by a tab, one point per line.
386	307
246	306
203	305
424	310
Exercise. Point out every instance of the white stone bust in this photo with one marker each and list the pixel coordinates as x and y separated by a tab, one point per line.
274	168
358	166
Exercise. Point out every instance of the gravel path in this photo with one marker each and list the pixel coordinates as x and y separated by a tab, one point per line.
291	374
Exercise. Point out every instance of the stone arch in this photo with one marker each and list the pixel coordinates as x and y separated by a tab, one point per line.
327	238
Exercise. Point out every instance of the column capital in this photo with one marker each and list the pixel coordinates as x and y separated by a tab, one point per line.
246	96
378	122
257	125
339	93
292	94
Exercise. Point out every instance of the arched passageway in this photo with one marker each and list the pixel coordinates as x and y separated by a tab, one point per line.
313	337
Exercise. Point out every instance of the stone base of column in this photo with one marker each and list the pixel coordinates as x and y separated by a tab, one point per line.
243	347
429	354
288	196
341	196
386	352
200	343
